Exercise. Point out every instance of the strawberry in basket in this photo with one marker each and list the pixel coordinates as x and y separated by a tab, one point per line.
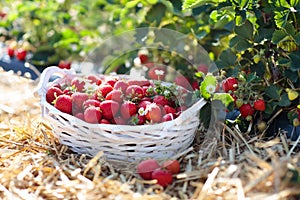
117	100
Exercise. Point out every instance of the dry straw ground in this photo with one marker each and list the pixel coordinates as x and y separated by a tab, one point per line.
33	165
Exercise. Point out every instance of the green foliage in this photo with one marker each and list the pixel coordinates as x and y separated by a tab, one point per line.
260	38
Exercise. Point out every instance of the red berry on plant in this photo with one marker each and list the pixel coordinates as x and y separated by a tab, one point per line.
64	64
10	52
21	54
246	110
230	84
259	105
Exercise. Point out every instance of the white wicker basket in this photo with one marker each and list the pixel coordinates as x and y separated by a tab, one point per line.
120	142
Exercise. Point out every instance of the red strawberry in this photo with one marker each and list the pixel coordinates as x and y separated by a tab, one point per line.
119	120
52	94
246	110
230	84
91	102
260	105
92	115
195	85
172	166
109	108
64	103
134	92
169	109
21	54
104	121
115	95
183	82
163	177
157	73
103	90
56	85
68	91
78	98
121	85
128	109
146	167
143	55
80	116
153	113
111	81
160	100
94	79
78	84
167	117
143	104
141	83
64	64
10	52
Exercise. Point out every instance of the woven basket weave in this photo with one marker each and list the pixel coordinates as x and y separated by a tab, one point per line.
120	142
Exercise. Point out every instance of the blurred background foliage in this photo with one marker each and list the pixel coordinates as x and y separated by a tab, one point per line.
256	37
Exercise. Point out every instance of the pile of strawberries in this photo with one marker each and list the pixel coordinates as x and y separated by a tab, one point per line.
163	173
115	100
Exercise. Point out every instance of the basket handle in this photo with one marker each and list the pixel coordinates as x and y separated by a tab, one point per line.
41	88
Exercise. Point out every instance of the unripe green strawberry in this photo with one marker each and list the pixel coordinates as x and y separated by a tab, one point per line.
239	103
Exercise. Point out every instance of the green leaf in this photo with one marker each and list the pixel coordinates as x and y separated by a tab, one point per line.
243	45
152	1
281	18
295	62
156	13
278	36
284	100
225	98
132	4
195	3
245	30
297	38
273	92
291	75
243	3
227	58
